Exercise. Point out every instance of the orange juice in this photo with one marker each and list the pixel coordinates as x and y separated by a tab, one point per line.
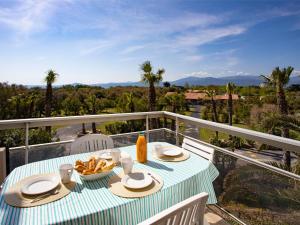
141	148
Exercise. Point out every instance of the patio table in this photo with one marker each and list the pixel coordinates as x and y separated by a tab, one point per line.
92	202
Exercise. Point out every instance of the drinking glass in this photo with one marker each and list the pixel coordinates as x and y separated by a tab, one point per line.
65	171
127	164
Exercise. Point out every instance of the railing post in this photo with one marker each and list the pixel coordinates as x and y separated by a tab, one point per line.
177	130
3	167
26	142
147	128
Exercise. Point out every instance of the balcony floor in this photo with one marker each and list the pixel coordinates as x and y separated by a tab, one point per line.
211	218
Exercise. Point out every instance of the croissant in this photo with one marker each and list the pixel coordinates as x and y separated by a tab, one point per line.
108	166
92	164
99	166
79	163
80	168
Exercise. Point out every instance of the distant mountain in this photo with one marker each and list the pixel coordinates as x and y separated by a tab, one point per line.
123	84
238	80
192	81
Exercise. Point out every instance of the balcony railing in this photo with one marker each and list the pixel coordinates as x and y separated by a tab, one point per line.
249	191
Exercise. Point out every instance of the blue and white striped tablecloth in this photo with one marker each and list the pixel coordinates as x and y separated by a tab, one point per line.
93	203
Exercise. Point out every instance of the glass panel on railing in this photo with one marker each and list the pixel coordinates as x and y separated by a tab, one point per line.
37	153
254	194
52	150
12	137
157	135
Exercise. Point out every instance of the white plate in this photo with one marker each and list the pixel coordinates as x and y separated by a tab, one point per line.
136	180
172	151
40	185
104	154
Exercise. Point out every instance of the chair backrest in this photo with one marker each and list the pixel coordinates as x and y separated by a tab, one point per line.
199	149
187	212
91	142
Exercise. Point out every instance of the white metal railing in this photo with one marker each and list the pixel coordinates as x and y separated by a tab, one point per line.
54	121
280	142
276	141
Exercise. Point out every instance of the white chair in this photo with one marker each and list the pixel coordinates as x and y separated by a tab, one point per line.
91	143
199	149
187	212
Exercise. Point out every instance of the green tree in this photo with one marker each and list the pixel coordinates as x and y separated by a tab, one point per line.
174	103
130	102
167	84
49	79
15	101
211	93
94	104
278	79
229	90
150	78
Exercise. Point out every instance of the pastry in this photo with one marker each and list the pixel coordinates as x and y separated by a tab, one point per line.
99	166
92	167
80	168
87	172
79	162
108	166
92	164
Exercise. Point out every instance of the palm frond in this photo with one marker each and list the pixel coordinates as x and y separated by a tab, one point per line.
230	87
146	67
51	76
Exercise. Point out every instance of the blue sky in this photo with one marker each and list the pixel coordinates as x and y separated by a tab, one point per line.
90	41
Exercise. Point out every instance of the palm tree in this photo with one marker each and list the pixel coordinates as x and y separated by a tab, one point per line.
150	78
278	79
49	79
230	89
211	93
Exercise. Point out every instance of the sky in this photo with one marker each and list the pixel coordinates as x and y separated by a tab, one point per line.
89	42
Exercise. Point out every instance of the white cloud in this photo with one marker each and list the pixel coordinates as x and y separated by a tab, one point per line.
296	72
232	72
132	49
194	58
204	36
26	16
242	73
89	47
200	73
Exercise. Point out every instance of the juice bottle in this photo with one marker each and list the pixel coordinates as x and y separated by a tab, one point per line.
141	148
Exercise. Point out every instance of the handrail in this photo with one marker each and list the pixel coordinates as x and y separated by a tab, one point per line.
276	141
280	142
245	158
68	120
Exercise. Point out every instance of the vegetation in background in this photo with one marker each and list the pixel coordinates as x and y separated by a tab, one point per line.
244	190
279	79
151	78
49	79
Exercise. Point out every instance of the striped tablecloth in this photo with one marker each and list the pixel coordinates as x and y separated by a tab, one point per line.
93	203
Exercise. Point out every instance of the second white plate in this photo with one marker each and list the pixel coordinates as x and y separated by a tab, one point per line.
40	185
104	154
172	151
137	180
